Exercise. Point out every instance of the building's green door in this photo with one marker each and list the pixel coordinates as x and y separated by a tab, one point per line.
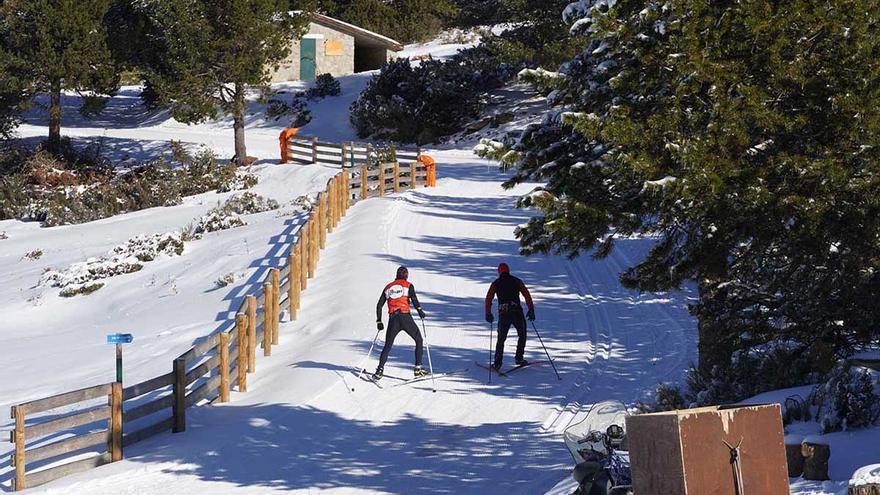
307	54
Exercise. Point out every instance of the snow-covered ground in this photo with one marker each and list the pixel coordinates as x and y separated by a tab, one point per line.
301	427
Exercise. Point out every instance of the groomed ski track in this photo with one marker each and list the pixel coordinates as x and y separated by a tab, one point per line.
301	429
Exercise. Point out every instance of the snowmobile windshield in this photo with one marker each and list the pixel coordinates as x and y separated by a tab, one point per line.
586	434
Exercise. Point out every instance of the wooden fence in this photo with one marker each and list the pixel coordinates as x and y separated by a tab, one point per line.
309	149
83	429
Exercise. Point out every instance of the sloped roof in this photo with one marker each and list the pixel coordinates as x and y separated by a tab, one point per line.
361	36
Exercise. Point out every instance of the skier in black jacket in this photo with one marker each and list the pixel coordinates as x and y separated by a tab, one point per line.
508	288
399	294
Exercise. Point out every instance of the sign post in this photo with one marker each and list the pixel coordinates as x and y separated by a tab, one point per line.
119	339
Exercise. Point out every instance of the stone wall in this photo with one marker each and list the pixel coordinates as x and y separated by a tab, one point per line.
337	65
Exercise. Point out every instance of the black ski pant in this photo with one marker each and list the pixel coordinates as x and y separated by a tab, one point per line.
514	317
397	323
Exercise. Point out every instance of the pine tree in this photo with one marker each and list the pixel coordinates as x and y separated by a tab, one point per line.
214	51
744	136
13	92
57	45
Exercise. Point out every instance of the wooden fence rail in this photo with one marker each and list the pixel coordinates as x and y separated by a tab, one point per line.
305	149
105	419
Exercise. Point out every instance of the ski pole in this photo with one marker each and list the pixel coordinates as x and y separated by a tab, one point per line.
430	366
546	351
361	367
490	352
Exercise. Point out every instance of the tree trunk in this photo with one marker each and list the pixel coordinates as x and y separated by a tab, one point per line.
54	142
238	106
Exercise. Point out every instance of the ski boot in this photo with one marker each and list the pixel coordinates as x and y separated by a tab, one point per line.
496	367
378	374
418	372
521	362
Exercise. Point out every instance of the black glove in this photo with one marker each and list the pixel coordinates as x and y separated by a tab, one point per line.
531	315
379	325
421	313
489	317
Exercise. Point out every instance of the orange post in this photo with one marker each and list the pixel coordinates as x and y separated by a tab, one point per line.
284	141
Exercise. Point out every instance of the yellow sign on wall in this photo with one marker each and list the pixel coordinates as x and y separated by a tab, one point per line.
333	47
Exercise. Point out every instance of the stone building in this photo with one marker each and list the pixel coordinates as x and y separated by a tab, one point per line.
334	47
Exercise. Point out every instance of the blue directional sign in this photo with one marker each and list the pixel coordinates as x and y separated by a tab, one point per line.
120	338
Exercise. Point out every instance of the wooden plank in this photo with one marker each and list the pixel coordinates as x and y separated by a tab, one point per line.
381	189
18	458
64	399
396	169
251	332
202	369
364	186
202	348
292	282
147	432
179	409
204	391
223	350
267	319
116	422
241	329
44	476
276	304
412	176
284	272
68	445
147	386
90	416
148	408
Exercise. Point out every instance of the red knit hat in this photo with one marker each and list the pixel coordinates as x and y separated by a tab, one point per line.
503	268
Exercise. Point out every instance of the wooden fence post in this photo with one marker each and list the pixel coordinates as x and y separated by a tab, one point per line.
292	284
343	154
381	179
115	421
322	221
18	459
346	193
267	319
412	175
179	407
314	237
241	335
314	150
223	350
276	304
251	334
303	253
396	177
337	199
365	193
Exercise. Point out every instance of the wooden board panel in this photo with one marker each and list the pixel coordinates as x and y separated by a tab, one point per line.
202	369
151	407
67	446
147	386
46	475
65	399
67	422
147	432
205	391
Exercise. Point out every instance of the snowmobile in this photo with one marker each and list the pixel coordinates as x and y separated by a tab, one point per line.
599	448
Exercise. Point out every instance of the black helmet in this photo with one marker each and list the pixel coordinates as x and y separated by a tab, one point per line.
402	273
